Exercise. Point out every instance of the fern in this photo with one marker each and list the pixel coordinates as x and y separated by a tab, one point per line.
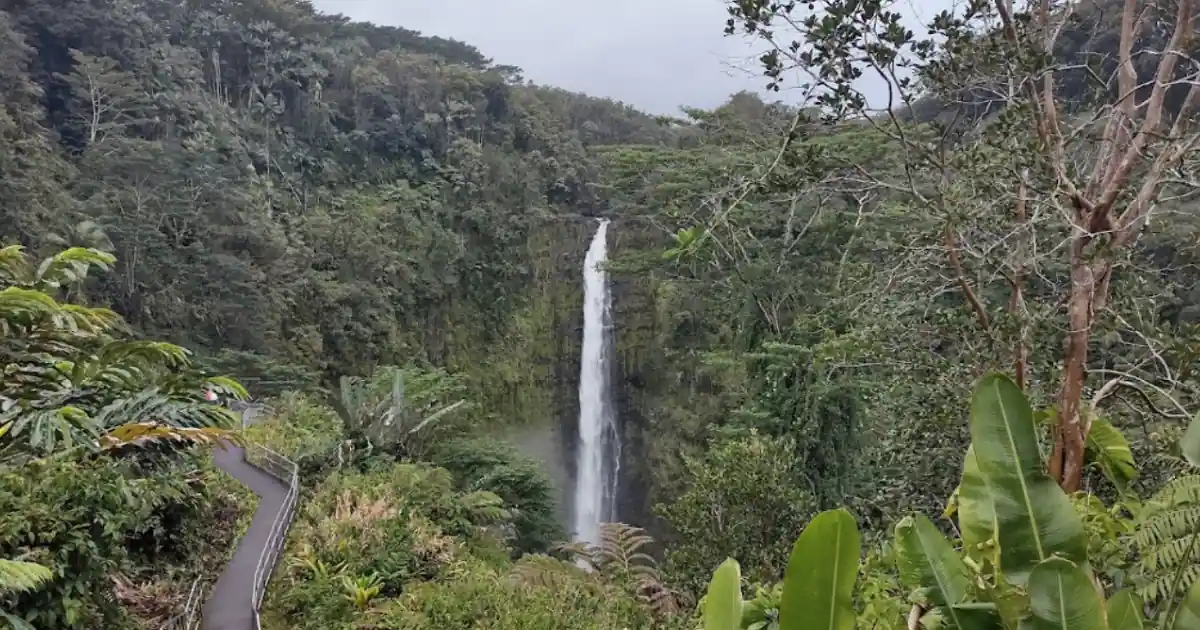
18	576
1164	539
619	554
542	570
484	507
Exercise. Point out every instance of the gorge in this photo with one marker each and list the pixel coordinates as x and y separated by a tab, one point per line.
707	328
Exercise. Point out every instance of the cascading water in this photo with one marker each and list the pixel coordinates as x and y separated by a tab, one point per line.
599	452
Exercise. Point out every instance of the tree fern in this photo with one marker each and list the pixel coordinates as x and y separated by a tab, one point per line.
620	554
484	507
542	570
1164	540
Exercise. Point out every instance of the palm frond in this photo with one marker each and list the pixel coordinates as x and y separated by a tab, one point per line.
440	413
145	433
14	267
71	266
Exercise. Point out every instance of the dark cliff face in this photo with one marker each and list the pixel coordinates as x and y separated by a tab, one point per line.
634	316
538	397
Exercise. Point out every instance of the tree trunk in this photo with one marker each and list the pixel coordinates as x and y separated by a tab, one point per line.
1067	459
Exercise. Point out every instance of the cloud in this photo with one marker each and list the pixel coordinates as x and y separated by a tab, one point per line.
655	55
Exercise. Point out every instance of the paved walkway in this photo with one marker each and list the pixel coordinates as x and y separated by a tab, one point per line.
230	605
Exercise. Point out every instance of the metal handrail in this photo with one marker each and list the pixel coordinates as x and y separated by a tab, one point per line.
190	619
288	472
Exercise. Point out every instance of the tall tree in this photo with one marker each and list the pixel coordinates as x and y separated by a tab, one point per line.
1037	183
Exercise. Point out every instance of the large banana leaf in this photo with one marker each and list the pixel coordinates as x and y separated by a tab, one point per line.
976	514
723	603
1107	446
1188	615
819	586
1125	611
1034	517
1062	597
928	561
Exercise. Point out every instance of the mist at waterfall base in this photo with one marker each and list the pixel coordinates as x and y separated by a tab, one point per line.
598	455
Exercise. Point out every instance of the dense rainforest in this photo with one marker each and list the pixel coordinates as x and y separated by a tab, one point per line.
927	361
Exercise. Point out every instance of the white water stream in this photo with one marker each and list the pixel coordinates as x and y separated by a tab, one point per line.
599	449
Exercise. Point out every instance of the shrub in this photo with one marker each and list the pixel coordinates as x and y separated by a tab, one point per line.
538	594
527	492
378	531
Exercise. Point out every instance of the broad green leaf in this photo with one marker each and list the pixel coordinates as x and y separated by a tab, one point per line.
1034	517
1125	611
1062	597
723	603
15	623
979	615
1188	615
976	515
1190	444
927	560
1107	446
818	588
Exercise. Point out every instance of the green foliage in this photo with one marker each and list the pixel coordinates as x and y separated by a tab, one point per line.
398	522
300	428
346	195
527	492
77	380
818	590
1034	519
819	587
80	391
403	412
1166	539
78	518
621	557
1188	615
741	501
1125	611
1063	597
1005	581
723	602
1107	446
17	575
405	545
793	397
555	596
927	558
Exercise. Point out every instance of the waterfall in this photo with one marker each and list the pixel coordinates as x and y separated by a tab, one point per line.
599	452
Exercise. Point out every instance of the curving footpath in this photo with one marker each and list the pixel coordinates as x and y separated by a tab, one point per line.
231	605
234	600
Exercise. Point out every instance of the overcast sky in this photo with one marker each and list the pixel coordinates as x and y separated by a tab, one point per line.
653	54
